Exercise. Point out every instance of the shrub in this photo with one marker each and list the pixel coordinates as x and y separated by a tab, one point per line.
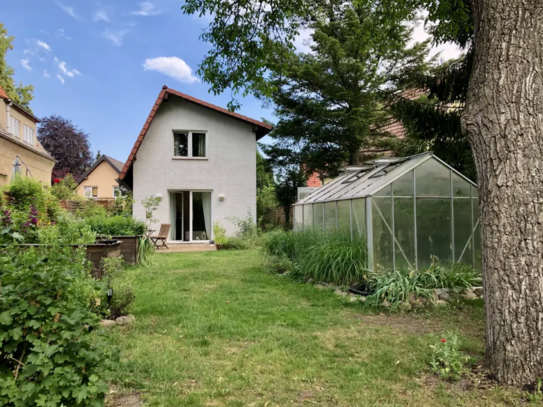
122	295
122	206
116	226
64	188
24	191
67	230
51	352
18	226
447	360
219	233
247	230
90	209
238	243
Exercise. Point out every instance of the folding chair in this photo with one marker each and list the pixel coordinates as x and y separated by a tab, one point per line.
162	236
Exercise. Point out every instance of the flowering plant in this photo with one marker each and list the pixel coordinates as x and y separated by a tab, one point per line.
447	360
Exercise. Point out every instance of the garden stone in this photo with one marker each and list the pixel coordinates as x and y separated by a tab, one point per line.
385	304
405	306
440	303
339	292
362	298
107	323
469	295
478	291
442	294
353	299
310	281
126	320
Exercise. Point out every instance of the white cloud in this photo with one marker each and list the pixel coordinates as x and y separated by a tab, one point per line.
60	78
68	9
171	66
116	37
44	45
28	51
101	15
24	63
62	66
304	40
447	51
147	9
46	74
62	33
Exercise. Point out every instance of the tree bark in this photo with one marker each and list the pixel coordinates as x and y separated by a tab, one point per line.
504	123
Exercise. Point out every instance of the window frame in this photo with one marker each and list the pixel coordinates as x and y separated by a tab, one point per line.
117	187
26	130
92	190
189	155
14	120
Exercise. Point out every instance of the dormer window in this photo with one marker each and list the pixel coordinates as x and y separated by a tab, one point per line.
15	127
190	144
28	134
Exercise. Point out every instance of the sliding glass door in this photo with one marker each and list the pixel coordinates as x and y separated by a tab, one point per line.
190	213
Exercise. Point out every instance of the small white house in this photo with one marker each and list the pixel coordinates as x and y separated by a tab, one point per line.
201	159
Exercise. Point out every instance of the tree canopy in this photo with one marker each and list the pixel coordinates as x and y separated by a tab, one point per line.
22	95
68	144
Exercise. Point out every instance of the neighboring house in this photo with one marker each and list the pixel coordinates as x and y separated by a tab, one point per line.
201	159
100	180
20	150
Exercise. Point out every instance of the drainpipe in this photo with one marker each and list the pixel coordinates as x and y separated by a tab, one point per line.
8	116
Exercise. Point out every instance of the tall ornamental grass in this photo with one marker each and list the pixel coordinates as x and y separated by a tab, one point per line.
324	257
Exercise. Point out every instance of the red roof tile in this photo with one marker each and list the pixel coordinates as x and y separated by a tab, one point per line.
3	94
263	128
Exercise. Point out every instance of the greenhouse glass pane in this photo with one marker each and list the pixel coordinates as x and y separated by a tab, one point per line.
344	215
298	217
433	179
404	230
433	230
308	216
463	245
329	216
404	185
318	217
386	191
477	236
382	236
461	188
474	192
359	217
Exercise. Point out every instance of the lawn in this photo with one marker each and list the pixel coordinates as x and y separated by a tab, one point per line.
214	329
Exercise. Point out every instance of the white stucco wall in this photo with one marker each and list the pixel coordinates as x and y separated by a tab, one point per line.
230	167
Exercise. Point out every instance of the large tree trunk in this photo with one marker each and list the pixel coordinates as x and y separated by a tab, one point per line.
504	122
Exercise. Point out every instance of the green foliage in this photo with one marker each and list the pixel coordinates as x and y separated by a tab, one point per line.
123	297
122	206
247	235
116	226
219	233
324	257
67	230
239	243
401	285
290	178
396	286
447	360
151	204
146	252
25	191
65	188
51	351
22	95
90	209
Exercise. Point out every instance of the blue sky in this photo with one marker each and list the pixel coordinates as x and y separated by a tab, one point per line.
102	64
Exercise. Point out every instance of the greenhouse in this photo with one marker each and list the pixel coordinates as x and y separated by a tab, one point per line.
410	210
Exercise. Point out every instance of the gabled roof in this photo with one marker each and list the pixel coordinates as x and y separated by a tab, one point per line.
370	178
116	164
261	128
3	94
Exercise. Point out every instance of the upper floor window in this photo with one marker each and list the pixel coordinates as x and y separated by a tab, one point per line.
91	192
189	144
28	134
15	127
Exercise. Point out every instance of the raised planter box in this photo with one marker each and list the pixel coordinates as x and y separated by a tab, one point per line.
129	248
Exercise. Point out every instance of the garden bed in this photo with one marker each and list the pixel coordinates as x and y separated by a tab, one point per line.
129	248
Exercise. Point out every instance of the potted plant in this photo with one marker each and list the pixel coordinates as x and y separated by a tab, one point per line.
219	234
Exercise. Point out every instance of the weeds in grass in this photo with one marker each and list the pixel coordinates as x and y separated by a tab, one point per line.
454	276
447	360
397	286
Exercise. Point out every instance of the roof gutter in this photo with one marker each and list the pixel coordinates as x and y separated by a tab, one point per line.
8	115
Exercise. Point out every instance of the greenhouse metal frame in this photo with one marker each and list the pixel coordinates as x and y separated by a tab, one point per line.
410	211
